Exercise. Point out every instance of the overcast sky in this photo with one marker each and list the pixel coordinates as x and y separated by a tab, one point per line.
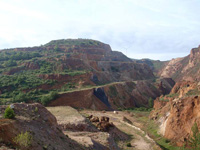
156	29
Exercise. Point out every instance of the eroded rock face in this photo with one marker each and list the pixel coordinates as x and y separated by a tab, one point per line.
177	112
186	68
183	114
114	96
40	123
171	68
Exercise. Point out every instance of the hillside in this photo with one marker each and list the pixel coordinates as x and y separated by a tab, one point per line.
186	68
155	65
176	113
118	95
33	127
40	74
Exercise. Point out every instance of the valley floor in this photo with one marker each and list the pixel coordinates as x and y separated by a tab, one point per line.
138	139
127	125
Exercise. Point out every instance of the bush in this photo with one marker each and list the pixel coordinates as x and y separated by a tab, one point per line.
9	113
128	145
24	139
20	97
151	102
46	99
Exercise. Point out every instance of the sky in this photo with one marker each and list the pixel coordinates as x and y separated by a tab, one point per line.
155	29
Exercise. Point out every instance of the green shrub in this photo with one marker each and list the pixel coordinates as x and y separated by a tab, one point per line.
172	95
128	145
20	97
10	63
24	139
151	102
47	99
9	113
163	99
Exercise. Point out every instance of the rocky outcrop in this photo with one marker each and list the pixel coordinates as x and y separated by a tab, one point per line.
183	114
177	112
172	67
186	68
41	126
102	123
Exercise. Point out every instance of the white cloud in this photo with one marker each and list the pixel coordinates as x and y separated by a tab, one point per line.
139	27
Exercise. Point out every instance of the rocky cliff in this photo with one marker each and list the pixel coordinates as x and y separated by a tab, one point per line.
186	68
177	112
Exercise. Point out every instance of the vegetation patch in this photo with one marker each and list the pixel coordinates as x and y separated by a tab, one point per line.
24	139
193	92
112	91
172	95
152	130
76	72
129	144
14	55
164	99
140	109
9	113
71	42
45	100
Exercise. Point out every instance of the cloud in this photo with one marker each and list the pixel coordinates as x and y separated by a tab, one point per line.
144	28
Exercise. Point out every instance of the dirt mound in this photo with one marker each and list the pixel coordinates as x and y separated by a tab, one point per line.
41	126
69	119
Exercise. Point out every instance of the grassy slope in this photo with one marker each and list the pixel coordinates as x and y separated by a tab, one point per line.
12	86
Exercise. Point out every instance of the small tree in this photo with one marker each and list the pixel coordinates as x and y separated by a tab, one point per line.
194	140
9	113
